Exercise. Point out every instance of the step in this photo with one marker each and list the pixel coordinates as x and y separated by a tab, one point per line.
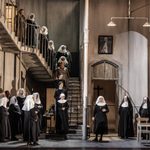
73	78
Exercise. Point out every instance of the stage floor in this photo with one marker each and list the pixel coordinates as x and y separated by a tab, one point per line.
109	142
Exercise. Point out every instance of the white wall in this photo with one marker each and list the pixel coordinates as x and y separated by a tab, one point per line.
138	67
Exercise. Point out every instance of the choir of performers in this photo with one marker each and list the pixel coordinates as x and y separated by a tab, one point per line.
100	118
125	127
144	110
62	116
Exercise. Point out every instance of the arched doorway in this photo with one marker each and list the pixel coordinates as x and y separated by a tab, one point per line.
105	74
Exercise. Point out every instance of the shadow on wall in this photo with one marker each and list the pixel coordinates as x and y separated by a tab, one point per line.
13	91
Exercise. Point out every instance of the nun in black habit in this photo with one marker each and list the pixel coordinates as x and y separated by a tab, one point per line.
5	131
43	39
39	107
100	118
125	128
28	105
31	33
62	116
144	110
21	96
14	118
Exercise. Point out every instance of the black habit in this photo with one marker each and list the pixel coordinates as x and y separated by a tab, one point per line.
62	118
100	121
15	120
5	131
125	128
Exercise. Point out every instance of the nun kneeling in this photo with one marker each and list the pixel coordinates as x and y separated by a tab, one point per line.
100	118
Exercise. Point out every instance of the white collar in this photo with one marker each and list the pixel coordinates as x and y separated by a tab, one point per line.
62	101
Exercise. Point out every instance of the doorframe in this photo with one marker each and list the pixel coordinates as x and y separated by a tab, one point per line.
91	86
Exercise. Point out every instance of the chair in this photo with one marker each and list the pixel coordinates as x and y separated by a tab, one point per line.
142	127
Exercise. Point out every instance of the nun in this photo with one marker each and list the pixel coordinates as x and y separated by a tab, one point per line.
5	131
21	96
14	118
28	105
144	110
100	118
43	38
31	33
125	127
51	56
62	51
62	116
39	107
60	90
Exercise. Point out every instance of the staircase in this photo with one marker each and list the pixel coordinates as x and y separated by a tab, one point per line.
75	109
31	58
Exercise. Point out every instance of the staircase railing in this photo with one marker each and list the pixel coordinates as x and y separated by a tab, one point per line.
28	35
128	94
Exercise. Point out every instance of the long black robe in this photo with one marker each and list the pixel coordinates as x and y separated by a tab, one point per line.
145	112
21	103
31	35
62	118
43	45
100	121
15	120
125	128
34	124
5	131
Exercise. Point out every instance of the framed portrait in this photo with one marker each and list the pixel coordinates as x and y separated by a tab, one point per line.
105	44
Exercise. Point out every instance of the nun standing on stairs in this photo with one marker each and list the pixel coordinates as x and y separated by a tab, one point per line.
62	116
100	118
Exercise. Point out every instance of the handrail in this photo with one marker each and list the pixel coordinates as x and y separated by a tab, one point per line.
129	98
28	35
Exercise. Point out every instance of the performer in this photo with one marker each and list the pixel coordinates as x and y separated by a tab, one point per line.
43	39
125	128
39	107
14	118
62	51
21	96
60	90
5	131
100	118
62	116
144	110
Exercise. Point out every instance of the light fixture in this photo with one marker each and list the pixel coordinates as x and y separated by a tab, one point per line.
113	24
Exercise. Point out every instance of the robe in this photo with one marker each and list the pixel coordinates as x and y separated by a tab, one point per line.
100	121
125	128
34	124
43	45
62	118
15	120
31	35
5	131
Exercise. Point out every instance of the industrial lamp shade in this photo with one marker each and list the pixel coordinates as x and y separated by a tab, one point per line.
146	24
111	24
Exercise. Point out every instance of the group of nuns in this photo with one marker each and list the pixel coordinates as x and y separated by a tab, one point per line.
125	126
20	115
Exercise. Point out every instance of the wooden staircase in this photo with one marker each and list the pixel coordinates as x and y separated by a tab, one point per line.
32	60
75	109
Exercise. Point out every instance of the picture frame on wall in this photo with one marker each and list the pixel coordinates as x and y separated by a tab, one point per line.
105	44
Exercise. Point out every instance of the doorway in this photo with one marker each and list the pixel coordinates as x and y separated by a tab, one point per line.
107	88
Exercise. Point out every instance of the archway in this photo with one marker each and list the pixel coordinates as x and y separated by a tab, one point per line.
105	74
